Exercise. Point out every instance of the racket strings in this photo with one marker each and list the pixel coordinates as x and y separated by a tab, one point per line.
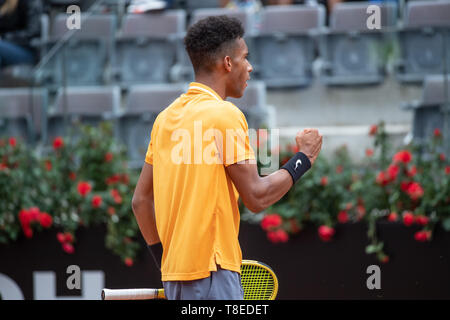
257	282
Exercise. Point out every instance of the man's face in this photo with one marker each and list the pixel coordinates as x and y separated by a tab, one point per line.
240	70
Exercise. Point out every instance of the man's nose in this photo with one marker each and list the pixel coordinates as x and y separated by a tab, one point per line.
250	67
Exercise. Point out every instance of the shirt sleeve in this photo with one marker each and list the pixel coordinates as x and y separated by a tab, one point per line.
232	137
149	154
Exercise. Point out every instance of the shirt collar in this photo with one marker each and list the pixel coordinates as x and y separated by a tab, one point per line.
197	86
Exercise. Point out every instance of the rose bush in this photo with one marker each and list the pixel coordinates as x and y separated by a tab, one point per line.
411	185
72	183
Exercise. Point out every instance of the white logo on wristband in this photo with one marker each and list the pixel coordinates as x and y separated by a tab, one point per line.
296	164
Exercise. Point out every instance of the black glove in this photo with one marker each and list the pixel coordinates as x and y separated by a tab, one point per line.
156	250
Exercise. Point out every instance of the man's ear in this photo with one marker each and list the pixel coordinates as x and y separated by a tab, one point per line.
227	63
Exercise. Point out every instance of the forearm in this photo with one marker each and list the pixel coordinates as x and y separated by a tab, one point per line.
269	189
144	212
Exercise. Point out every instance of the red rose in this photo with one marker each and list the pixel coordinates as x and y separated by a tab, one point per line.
282	235
404	185
125	179
277	236
34	213
393	216
48	165
295	228
72	176
324	181
415	191
116	196
24	218
422	235
447	170
111	211
84	188
339	169
108	156
58	142
442	157
12	142
393	171
373	130
45	220
113	179
412	172
402	156
342	216
96	201
369	152
68	248
360	211
28	232
408	218
325	232
271	221
385	259
293	148
422	220
128	262
437	133
382	178
61	237
68	237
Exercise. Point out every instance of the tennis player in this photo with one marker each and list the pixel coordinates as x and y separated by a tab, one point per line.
185	204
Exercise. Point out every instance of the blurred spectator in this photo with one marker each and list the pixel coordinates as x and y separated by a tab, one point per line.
244	4
330	3
279	2
20	23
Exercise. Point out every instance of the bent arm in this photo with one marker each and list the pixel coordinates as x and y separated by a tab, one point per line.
258	193
143	205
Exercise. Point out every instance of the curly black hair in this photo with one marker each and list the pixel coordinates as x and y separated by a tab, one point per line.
210	37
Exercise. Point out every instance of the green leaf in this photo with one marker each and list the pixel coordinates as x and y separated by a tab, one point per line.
371	249
446	224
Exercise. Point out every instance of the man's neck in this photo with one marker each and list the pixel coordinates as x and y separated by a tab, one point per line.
213	82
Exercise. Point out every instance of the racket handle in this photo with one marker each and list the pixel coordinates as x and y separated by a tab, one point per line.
132	294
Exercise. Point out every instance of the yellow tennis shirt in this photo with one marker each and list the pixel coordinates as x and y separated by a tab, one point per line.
196	203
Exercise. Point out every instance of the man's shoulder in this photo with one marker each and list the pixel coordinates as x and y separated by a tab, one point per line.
227	108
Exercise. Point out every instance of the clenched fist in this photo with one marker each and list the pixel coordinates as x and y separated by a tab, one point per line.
309	141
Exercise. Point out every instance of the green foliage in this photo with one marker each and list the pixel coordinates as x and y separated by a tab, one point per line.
53	181
387	185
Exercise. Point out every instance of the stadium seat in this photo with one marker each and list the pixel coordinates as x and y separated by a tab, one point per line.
147	47
78	56
353	54
142	105
81	105
191	5
283	49
426	29
21	113
429	111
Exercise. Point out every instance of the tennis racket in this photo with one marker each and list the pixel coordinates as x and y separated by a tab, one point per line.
258	281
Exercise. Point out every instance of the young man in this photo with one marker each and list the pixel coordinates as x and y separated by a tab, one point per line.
185	201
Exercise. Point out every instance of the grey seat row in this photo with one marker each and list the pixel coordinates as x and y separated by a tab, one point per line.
284	42
36	117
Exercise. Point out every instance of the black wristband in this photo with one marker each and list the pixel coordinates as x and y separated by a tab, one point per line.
297	166
156	250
